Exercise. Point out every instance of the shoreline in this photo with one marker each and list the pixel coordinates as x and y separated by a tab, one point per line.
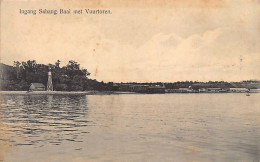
63	92
97	92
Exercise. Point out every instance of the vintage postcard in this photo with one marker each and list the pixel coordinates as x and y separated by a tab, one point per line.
132	80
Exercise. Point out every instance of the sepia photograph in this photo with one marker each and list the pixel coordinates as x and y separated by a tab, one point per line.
132	80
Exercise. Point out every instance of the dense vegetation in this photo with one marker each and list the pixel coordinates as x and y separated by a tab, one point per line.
67	78
74	78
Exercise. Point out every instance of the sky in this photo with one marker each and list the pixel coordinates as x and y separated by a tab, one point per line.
141	41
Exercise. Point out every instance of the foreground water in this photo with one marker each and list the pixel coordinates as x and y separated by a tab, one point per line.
130	127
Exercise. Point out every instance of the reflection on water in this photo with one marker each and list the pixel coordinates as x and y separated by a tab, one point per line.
131	127
41	119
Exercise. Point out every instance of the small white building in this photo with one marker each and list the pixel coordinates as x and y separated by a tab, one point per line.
36	87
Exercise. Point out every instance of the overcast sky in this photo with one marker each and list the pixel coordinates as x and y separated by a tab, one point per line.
144	42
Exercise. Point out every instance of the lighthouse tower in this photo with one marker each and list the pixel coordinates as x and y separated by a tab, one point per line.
49	83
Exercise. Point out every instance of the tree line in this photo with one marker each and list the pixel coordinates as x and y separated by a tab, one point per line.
249	84
67	78
74	78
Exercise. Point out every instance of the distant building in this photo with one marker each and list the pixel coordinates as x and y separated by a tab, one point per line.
239	90
214	89
37	87
139	88
203	90
255	90
172	90
183	90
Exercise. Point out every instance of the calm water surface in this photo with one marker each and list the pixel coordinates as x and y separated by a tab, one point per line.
130	127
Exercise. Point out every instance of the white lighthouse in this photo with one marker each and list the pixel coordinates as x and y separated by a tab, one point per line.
49	83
